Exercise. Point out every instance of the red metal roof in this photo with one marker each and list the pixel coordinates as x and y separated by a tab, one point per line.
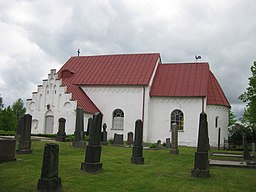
181	79
215	95
188	79
82	99
123	69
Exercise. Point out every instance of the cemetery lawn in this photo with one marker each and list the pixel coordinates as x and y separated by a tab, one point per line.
161	172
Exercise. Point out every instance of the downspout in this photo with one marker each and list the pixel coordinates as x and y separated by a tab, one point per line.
202	104
143	105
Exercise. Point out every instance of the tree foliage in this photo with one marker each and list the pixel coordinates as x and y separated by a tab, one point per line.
8	120
1	103
249	96
232	118
9	116
18	108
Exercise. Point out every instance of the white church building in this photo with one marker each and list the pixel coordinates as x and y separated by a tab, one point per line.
127	87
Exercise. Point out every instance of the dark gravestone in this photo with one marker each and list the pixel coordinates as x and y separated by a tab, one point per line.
129	138
87	133
201	165
50	181
137	150
19	128
24	138
104	135
246	153
168	142
118	139
79	130
174	146
92	162
158	144
7	149
61	134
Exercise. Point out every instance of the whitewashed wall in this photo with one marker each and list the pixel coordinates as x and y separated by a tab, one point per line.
53	94
221	112
160	118
127	98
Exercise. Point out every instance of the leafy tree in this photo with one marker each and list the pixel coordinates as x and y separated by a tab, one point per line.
8	120
249	96
18	108
1	103
232	118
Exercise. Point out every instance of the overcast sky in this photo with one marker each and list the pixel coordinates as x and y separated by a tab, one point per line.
38	35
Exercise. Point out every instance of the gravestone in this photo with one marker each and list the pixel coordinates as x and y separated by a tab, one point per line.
50	181
158	144
79	129
7	149
129	138
19	128
253	149
118	139
61	134
201	164
104	135
24	139
174	134
137	150
87	133
168	142
92	162
246	153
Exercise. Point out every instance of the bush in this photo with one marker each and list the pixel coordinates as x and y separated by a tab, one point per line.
152	145
235	134
110	141
7	133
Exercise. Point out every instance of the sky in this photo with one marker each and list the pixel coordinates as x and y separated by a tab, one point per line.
39	35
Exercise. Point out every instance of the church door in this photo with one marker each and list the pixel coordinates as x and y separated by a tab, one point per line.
49	121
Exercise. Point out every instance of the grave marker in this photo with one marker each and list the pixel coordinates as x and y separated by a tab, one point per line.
174	135
25	134
50	181
118	139
79	129
201	165
61	134
92	162
137	150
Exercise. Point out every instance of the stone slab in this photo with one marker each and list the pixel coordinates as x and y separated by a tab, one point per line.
241	164
227	155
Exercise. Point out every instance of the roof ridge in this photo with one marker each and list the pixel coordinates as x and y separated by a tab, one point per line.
116	54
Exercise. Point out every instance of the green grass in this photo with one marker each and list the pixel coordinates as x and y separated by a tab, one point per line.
161	172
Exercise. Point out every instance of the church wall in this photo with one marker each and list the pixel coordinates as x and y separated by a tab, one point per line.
50	103
221	113
160	118
108	98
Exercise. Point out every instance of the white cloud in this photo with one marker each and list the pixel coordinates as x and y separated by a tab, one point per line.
39	35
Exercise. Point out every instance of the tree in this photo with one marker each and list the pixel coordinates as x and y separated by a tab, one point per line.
18	108
232	118
8	120
249	96
1	103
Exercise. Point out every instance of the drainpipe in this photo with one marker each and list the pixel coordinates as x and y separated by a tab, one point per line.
143	105
202	104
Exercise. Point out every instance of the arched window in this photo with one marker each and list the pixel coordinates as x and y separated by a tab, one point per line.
118	119
216	122
178	118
